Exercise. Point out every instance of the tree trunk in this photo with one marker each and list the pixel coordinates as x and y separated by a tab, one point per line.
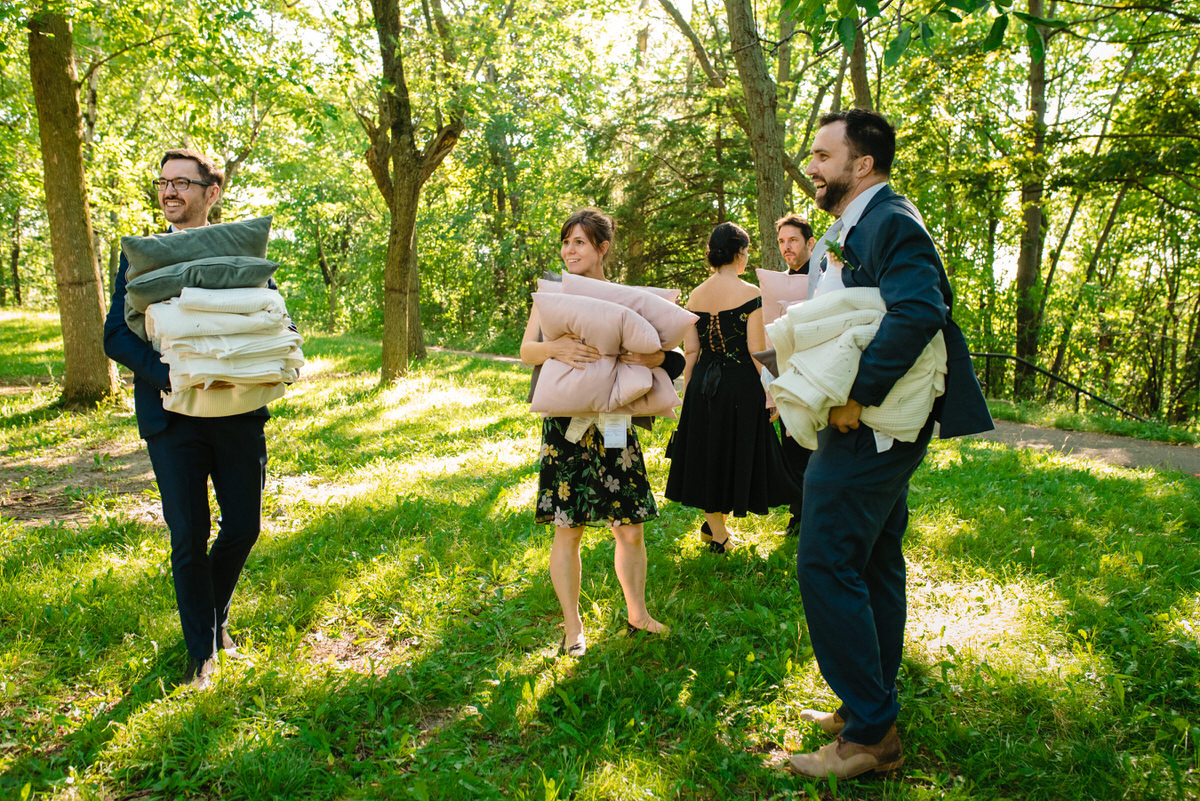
858	73
329	274
15	257
1033	233
400	169
766	133
88	375
397	279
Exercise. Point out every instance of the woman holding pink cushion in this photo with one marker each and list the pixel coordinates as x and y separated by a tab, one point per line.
581	481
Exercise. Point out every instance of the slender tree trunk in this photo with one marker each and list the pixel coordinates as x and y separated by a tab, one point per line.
1033	233
835	104
15	255
14	262
396	279
88	375
719	158
1056	254
766	133
400	169
328	273
858	72
1186	402
416	333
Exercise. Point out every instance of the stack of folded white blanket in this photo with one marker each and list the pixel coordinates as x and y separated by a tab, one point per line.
818	346
230	350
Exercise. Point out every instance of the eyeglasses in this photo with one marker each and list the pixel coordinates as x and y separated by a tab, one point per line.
181	184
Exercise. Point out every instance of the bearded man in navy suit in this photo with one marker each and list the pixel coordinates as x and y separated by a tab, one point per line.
850	565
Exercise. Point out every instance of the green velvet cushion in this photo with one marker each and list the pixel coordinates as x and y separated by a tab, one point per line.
217	272
242	238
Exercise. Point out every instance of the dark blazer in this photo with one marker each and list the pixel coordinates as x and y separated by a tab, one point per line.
150	374
890	249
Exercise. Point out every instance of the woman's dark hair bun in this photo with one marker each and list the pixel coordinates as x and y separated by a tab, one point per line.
726	242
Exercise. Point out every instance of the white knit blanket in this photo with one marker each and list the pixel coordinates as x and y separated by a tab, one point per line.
234	301
818	346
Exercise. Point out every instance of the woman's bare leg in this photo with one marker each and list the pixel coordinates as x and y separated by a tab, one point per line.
566	570
630	562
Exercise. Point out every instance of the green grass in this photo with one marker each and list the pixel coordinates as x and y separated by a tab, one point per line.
404	631
30	346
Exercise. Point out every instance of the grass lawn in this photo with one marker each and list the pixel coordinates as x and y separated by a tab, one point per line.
404	631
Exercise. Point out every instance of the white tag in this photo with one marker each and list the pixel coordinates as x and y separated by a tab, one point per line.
579	427
766	378
615	428
883	442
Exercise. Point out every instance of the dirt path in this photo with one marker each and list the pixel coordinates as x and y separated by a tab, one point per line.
65	483
1122	451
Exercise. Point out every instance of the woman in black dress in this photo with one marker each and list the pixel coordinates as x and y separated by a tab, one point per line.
581	481
724	454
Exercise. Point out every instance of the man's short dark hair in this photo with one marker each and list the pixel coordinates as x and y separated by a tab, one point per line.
796	221
208	170
868	134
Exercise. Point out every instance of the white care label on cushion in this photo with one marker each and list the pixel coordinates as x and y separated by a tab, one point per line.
616	429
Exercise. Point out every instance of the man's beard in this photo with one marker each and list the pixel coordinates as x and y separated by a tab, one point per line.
835	192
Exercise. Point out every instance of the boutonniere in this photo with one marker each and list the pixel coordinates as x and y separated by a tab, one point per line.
836	251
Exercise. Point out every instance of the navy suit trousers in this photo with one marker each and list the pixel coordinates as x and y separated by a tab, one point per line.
851	570
796	457
233	452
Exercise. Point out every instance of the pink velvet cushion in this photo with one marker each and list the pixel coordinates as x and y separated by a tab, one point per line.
607	327
604	385
780	290
669	320
546	285
660	401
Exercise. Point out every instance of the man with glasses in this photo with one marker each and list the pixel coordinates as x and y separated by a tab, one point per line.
186	451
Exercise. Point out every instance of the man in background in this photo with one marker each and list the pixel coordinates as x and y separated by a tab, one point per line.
795	245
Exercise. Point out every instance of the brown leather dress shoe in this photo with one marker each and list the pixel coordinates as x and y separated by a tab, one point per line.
846	760
227	644
200	674
830	722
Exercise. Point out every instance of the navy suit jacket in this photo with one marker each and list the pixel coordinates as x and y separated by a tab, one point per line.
150	374
890	249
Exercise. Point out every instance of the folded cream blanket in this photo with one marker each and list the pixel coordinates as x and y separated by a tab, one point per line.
198	371
167	321
264	345
819	344
230	351
223	402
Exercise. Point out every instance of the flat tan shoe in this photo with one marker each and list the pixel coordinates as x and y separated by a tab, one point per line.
830	722
845	759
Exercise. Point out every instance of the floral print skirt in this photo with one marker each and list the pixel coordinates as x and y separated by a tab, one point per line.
585	483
